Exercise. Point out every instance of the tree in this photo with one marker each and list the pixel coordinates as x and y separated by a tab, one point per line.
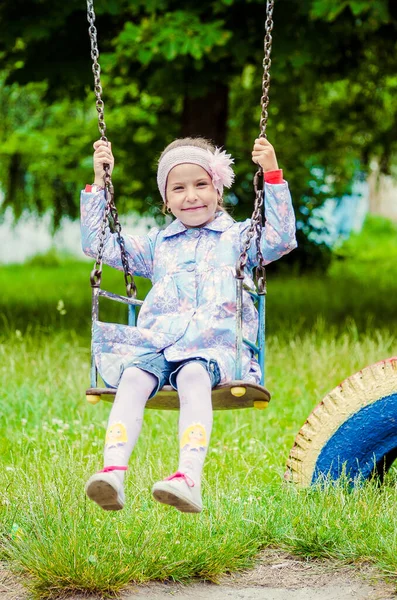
169	71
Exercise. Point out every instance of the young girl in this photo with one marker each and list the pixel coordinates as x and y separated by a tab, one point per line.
185	334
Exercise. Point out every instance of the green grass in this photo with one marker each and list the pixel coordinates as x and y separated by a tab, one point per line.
359	286
51	440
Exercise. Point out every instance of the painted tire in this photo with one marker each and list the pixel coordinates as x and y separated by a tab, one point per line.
352	431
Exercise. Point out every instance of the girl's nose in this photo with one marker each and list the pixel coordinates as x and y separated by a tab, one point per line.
191	195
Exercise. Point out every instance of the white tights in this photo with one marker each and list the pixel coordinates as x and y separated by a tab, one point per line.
195	417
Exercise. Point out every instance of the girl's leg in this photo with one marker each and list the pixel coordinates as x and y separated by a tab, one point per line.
124	427
126	416
183	489
195	418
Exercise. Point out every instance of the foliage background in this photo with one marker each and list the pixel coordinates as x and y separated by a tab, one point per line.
172	69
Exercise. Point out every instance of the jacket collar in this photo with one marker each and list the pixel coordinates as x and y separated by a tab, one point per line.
221	222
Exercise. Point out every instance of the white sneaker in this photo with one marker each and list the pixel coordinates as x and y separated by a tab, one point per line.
106	489
180	491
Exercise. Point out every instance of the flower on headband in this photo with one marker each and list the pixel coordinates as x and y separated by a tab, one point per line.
221	172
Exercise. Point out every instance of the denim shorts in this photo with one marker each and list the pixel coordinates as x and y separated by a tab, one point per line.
166	372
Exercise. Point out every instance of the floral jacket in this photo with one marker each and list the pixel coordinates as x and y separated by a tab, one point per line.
190	310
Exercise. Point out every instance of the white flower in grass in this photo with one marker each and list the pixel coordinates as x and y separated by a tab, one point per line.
23	422
61	307
18	334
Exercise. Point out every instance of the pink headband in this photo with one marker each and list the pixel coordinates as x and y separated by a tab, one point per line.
217	164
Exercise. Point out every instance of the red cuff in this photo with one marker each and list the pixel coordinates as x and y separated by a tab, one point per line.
88	188
274	176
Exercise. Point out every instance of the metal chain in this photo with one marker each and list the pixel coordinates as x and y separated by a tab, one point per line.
110	207
258	218
96	273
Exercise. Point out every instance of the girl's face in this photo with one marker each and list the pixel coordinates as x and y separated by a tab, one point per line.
190	195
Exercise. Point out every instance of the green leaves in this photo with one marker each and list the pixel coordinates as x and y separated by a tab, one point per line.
159	37
331	9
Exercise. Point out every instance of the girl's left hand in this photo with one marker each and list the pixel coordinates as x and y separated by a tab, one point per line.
264	155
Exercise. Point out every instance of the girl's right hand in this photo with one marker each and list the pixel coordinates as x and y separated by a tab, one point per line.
102	156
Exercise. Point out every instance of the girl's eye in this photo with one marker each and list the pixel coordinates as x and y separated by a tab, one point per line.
201	183
179	187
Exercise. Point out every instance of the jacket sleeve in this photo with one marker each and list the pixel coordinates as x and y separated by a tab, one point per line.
278	236
139	249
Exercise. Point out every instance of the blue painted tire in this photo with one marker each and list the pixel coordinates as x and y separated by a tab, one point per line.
352	432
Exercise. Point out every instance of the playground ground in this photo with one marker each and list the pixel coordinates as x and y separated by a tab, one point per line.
276	576
341	542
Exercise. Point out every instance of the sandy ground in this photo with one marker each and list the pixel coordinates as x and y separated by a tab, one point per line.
201	592
277	576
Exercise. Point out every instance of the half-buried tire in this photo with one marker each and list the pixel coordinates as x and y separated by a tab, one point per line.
352	432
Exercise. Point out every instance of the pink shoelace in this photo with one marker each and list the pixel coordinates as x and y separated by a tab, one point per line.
108	469
180	475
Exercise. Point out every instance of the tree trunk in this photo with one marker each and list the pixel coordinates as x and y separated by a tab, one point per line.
207	115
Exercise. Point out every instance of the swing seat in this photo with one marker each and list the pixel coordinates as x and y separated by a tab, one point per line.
231	395
235	394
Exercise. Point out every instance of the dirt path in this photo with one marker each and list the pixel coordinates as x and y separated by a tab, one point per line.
277	576
200	592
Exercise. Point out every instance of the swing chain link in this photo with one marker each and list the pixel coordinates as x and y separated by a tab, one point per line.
110	213
266	66
96	69
96	273
258	218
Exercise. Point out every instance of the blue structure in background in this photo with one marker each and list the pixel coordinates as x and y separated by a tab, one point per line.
338	217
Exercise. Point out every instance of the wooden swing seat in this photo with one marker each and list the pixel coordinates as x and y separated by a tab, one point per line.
235	394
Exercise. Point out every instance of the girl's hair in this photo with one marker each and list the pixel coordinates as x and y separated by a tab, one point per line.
199	142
